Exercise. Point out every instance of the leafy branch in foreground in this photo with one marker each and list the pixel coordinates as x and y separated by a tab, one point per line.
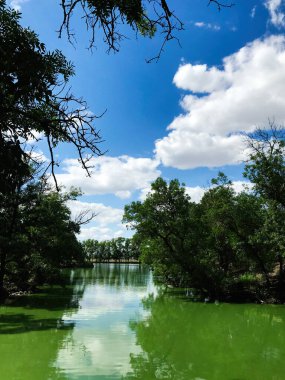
143	17
37	103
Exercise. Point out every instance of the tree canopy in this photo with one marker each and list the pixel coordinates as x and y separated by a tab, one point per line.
229	245
36	103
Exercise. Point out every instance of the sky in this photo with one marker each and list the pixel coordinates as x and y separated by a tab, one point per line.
181	117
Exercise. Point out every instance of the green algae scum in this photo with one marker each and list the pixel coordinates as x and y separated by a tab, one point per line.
113	323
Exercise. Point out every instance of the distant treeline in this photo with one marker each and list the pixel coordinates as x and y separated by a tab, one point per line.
230	245
115	250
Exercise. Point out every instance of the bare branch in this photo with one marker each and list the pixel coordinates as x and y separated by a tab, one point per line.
143	17
220	4
84	217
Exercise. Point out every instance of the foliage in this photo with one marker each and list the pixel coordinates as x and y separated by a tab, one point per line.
33	102
266	165
146	17
37	235
119	249
182	340
227	246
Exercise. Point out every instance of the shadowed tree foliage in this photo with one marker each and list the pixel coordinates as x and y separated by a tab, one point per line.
266	169
228	246
37	235
35	101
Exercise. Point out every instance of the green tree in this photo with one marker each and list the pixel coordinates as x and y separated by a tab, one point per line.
90	249
37	235
266	164
231	250
33	101
164	229
266	169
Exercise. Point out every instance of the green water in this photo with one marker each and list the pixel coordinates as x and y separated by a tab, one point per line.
112	323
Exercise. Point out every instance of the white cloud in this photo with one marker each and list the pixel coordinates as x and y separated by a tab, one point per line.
200	79
184	149
242	94
17	4
34	137
117	175
196	193
38	156
277	16
104	214
106	225
240	186
101	233
144	192
207	25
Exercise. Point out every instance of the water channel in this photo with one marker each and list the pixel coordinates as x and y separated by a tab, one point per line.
113	323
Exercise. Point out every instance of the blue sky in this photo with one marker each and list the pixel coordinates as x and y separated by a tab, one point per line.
179	117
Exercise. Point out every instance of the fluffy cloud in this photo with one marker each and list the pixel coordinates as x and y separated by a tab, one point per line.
106	224
118	175
184	149
196	193
17	4
101	233
241	95
277	16
104	214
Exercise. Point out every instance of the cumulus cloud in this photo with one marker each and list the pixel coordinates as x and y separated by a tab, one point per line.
196	193
104	214
200	79
242	94
277	16
106	224
101	233
117	175
144	192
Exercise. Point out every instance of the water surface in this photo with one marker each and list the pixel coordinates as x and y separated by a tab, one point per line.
113	323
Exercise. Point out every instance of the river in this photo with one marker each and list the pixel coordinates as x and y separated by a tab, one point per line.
113	323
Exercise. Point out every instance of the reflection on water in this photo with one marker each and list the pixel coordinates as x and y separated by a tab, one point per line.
182	340
31	332
113	324
100	344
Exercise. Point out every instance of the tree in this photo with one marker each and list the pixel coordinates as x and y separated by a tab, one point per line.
164	228
146	17
266	164
231	224
214	247
37	235
266	169
34	102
